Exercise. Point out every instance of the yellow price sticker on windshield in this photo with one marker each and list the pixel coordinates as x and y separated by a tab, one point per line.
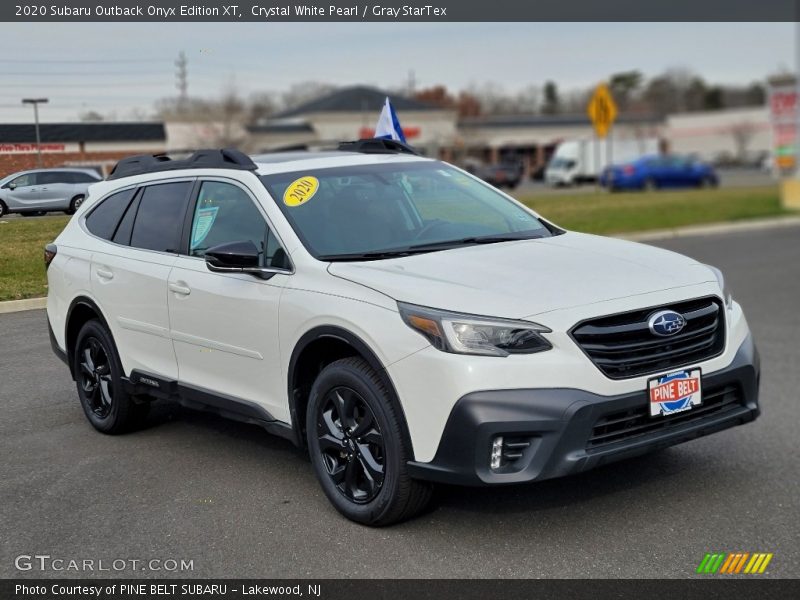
300	191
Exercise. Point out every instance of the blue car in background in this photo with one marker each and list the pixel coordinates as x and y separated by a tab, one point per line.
654	172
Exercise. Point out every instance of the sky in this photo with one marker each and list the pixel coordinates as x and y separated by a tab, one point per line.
123	68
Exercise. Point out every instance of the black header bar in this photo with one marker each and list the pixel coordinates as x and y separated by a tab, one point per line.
399	11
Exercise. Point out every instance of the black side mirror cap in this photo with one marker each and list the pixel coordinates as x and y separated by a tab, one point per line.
237	256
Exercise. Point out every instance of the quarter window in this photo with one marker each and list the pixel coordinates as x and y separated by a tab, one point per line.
159	219
103	220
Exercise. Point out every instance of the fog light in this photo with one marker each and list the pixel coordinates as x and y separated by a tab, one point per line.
497	453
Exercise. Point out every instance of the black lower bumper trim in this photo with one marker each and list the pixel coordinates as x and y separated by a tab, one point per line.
54	345
550	432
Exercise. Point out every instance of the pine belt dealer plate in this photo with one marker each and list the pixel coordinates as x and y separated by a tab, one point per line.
675	392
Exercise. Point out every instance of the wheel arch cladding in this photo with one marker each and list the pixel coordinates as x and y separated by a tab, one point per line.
81	310
315	350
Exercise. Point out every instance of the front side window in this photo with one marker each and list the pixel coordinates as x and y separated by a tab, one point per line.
345	213
159	218
25	180
225	213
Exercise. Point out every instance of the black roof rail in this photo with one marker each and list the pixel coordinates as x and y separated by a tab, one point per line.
226	158
377	146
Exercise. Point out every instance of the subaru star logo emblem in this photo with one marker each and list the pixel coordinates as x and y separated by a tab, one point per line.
666	322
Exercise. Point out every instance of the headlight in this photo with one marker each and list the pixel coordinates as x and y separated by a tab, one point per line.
470	334
726	292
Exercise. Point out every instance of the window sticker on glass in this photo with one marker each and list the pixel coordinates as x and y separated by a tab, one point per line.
203	221
300	191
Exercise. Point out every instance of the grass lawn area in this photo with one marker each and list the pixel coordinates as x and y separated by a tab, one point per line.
606	213
22	240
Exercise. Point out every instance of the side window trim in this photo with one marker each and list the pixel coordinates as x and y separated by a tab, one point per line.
187	225
134	207
135	202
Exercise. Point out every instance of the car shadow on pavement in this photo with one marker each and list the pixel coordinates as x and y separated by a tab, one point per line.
648	471
608	480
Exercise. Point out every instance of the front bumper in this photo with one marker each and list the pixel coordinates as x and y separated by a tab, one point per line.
560	427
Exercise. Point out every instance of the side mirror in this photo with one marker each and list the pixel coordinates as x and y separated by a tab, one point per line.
11	185
232	256
238	257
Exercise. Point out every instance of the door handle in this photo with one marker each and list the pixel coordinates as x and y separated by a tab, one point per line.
182	290
105	274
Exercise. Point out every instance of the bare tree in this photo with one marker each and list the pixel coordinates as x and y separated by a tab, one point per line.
300	93
742	134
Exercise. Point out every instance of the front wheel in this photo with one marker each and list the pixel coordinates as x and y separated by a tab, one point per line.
358	452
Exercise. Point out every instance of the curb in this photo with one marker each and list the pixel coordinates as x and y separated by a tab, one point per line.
710	229
11	306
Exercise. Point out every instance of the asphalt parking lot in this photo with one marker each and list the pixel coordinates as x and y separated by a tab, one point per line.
241	503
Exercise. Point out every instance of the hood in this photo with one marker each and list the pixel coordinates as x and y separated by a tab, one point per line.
525	278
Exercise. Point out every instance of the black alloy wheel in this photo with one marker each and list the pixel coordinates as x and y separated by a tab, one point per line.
351	444
95	376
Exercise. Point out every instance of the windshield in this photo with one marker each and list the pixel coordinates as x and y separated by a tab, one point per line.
561	163
382	209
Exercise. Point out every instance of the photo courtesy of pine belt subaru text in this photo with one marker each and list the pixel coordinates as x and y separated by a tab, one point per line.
403	321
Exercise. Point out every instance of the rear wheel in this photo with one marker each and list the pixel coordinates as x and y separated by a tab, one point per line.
74	204
356	443
98	373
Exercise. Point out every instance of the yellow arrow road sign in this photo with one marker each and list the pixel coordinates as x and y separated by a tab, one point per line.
602	110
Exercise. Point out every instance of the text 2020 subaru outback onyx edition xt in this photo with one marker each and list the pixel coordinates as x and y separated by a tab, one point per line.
403	320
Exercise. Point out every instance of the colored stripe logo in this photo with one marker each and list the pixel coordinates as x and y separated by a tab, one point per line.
733	563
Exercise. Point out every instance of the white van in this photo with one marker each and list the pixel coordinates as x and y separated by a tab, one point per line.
580	161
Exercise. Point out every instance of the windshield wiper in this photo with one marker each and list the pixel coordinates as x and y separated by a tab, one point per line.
469	241
377	255
424	248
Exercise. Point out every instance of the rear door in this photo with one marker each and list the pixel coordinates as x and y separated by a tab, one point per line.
225	325
129	273
55	189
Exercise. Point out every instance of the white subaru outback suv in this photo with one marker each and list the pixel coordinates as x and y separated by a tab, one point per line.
402	320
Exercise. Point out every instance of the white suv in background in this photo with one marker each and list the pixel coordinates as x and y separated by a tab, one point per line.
404	321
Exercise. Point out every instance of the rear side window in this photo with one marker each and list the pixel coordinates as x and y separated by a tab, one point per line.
77	177
159	219
53	177
103	220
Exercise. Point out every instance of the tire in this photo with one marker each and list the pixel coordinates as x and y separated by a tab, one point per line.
363	475
74	204
98	373
3	209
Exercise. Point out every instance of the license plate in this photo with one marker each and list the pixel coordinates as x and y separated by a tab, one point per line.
675	392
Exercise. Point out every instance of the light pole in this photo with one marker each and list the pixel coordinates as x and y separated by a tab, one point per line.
36	102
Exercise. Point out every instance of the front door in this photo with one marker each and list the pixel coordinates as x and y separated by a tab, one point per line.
225	325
